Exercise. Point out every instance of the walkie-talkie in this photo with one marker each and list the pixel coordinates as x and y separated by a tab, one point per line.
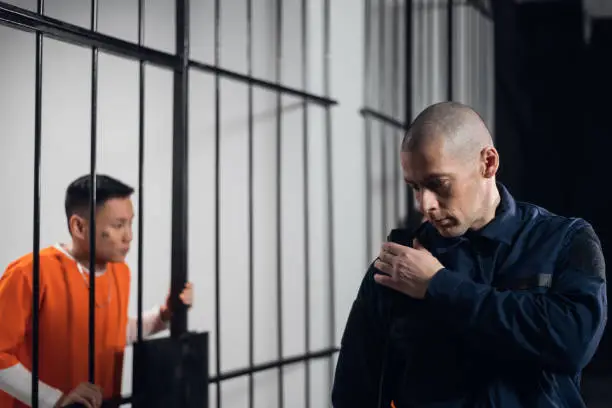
405	237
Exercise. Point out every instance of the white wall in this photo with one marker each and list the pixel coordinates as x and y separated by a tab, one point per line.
66	121
473	57
473	84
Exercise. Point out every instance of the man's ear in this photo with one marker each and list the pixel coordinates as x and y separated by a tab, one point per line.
78	226
490	161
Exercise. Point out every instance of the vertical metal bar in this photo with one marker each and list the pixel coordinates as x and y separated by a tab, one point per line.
141	149
395	108
93	197
330	183
279	209
480	105
251	204
382	106
450	48
421	63
36	216
306	181
180	181
367	98
408	71
217	62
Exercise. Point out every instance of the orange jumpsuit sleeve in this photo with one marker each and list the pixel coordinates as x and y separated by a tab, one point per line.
15	311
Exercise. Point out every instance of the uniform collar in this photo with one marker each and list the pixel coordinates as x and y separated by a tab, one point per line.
503	228
506	224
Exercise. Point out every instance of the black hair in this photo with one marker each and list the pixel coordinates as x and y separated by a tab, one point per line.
78	193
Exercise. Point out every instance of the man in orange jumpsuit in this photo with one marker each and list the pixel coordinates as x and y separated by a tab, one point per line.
64	306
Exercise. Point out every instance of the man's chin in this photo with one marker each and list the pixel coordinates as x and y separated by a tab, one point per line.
450	231
118	259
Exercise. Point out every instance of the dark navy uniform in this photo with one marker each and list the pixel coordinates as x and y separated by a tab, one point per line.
510	322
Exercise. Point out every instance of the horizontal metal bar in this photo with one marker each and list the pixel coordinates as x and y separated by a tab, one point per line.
27	20
118	401
262	83
478	5
30	21
481	7
274	364
381	117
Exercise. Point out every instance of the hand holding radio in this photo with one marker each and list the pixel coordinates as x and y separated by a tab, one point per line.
406	270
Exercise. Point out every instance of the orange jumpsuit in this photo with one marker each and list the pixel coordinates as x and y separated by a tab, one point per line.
64	322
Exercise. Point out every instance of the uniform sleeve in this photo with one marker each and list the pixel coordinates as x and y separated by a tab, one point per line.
152	324
15	311
360	360
559	329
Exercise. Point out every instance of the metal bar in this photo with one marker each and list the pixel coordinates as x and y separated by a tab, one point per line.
180	181
450	49
141	142
217	61
367	72
480	7
330	182
382	94
371	113
28	20
251	204
306	181
93	198
273	364
36	216
121	400
279	209
408	71
395	108
263	83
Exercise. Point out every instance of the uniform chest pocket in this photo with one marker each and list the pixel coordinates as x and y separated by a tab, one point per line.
536	277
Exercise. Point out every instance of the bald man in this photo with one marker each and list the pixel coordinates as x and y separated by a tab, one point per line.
491	303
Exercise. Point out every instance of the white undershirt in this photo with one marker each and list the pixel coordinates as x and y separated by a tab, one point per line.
17	380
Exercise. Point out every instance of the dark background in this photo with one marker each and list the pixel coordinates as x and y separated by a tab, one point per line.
553	123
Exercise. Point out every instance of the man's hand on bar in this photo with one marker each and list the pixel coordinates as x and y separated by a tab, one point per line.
86	394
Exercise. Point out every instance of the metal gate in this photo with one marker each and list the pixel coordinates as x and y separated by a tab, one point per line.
181	64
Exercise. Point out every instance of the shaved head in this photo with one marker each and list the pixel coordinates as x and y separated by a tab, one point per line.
462	130
448	158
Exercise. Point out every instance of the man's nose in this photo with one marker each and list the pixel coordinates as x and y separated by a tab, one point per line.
427	201
128	236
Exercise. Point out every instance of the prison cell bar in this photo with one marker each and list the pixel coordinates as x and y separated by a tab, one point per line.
251	205
370	114
306	181
325	353
278	54
450	49
180	173
23	19
330	183
367	126
382	95
394	107
141	150
93	197
409	85
26	20
381	117
36	217
217	62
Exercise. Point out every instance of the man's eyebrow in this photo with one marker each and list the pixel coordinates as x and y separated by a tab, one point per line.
430	177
